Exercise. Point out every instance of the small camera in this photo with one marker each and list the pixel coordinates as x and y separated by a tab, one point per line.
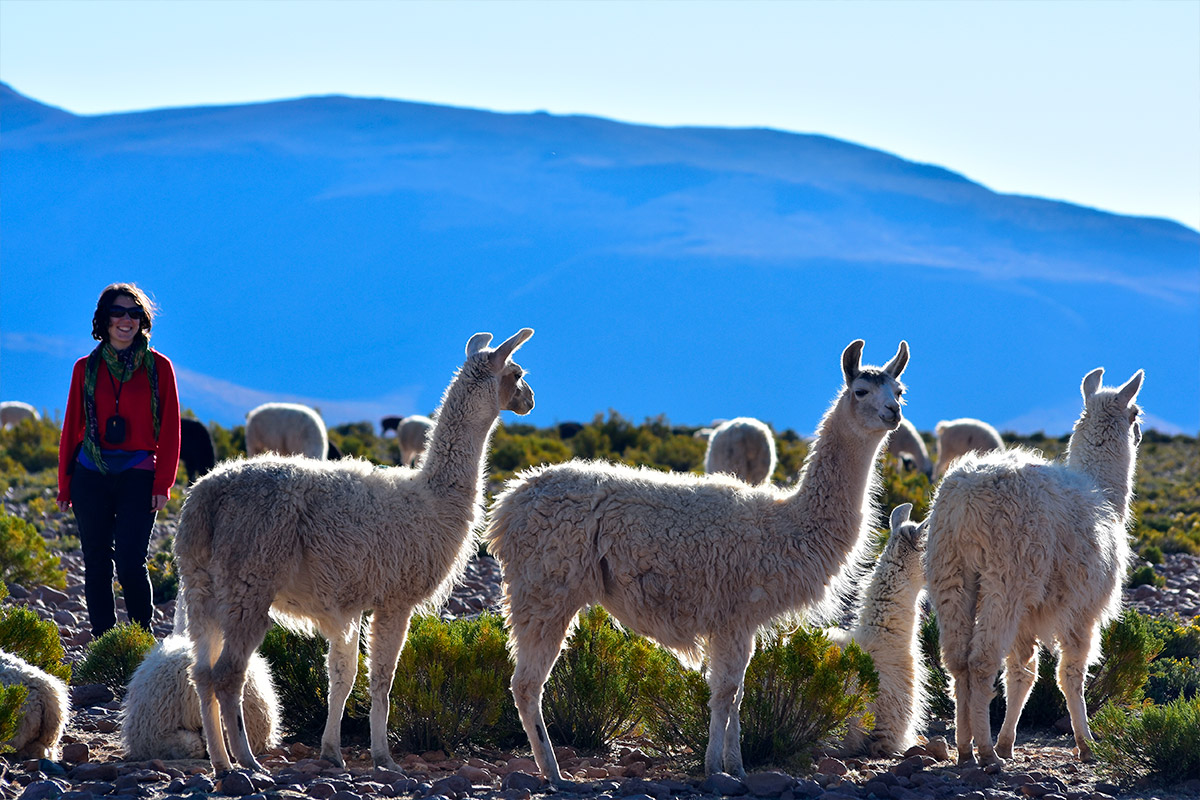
114	429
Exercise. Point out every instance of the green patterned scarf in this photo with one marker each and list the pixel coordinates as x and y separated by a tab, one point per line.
122	366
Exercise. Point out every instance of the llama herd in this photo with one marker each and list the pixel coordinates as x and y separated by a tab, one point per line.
1017	551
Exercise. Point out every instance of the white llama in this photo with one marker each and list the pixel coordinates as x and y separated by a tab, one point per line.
13	412
957	437
697	563
907	445
1022	551
287	429
45	711
160	715
413	434
886	626
742	447
318	543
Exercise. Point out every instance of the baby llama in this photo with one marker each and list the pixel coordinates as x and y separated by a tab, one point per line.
742	447
1022	550
45	711
287	429
697	563
957	437
886	627
317	543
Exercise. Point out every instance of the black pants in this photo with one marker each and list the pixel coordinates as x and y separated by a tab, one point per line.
115	521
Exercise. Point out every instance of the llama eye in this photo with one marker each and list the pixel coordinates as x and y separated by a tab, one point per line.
860	392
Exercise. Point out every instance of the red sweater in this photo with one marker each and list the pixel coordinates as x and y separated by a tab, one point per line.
139	420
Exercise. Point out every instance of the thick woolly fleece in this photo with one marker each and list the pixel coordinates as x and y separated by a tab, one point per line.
288	429
45	711
160	715
697	563
318	543
1022	550
742	447
886	626
957	437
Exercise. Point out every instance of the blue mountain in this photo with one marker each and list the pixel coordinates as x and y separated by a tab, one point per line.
341	251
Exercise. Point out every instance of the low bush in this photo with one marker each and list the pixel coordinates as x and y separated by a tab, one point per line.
23	633
24	557
11	700
164	580
113	658
1154	742
1145	576
299	670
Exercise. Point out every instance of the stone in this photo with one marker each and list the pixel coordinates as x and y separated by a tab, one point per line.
723	784
450	785
831	766
346	794
520	782
94	772
768	784
481	777
90	694
938	748
235	783
1110	789
42	790
519	765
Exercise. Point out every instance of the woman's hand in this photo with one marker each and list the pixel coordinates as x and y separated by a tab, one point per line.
64	505
158	502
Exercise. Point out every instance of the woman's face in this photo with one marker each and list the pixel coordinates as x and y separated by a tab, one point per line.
123	329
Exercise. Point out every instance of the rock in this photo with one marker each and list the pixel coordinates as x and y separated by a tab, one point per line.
94	772
768	784
831	766
346	794
723	784
90	694
76	752
451	784
481	777
1110	789
520	782
42	790
235	783
938	748
519	765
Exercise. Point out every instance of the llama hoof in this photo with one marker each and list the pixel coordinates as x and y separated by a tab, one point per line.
992	763
386	762
1004	750
1085	754
333	756
966	759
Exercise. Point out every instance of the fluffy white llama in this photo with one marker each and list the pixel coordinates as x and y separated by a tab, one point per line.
1022	551
45	711
13	412
412	434
290	429
886	627
160	715
907	445
319	543
956	437
742	447
697	563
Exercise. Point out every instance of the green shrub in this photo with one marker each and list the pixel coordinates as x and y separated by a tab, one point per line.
301	676
164	580
1159	743
800	690
11	699
32	445
1152	553
1146	576
113	658
451	686
1174	678
593	694
937	682
23	633
24	557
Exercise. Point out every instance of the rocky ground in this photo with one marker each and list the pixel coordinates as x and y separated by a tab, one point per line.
92	764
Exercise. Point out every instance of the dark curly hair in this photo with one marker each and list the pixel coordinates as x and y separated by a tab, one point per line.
111	293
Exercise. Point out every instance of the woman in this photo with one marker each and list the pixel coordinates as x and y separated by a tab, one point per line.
119	452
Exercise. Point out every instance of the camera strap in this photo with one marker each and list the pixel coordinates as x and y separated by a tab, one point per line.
117	387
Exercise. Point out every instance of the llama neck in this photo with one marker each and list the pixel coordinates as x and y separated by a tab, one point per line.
831	501
1108	461
890	606
453	464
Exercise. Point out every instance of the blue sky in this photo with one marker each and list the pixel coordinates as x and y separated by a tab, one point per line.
1097	103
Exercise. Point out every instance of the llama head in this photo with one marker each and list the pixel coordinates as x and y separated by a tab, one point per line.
874	392
1110	414
909	534
515	394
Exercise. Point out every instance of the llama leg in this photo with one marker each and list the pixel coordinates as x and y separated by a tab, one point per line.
726	675
342	664
387	635
229	684
1072	674
993	638
205	644
955	604
1020	673
538	643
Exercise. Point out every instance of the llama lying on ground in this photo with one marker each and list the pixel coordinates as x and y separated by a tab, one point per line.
957	437
1022	551
13	412
413	435
160	715
697	563
742	447
45	711
907	445
289	429
886	627
318	543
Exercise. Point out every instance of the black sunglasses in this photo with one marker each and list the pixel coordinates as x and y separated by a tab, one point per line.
116	312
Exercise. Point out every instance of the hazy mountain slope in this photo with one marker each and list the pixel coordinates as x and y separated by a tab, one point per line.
344	249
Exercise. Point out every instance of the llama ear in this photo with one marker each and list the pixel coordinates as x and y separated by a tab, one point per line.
900	515
1129	391
477	343
898	362
504	352
1091	382
1137	434
852	360
919	533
